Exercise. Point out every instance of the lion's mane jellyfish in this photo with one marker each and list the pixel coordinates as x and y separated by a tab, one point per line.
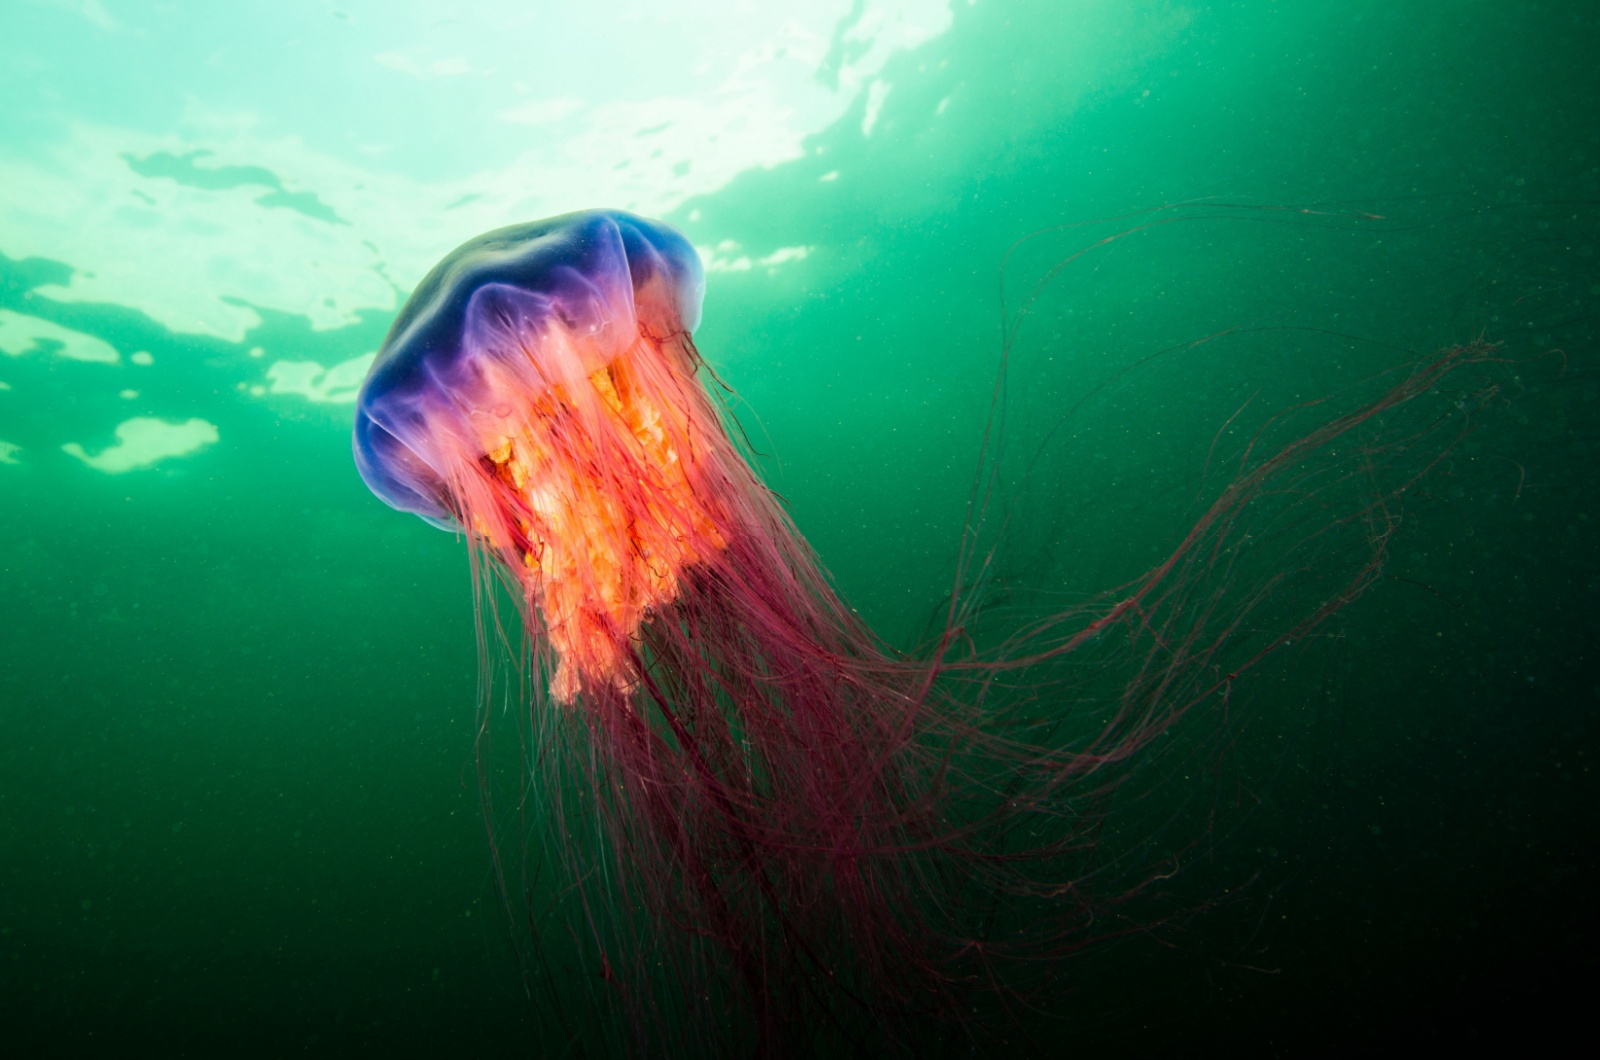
738	725
764	825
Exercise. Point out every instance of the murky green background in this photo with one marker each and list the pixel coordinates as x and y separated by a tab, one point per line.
238	813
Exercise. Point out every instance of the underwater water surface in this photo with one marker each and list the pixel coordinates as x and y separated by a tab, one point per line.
239	806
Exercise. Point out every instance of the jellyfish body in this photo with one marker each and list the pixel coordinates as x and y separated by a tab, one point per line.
697	684
813	824
536	392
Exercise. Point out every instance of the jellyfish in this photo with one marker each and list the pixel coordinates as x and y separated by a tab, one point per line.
540	392
754	812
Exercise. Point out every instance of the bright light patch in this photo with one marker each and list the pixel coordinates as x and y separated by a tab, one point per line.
542	111
21	334
243	212
312	381
725	257
144	441
783	254
408	62
9	451
877	92
92	10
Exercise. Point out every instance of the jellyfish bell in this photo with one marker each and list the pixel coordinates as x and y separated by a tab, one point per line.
538	392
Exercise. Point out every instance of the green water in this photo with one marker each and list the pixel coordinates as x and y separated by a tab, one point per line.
238	808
